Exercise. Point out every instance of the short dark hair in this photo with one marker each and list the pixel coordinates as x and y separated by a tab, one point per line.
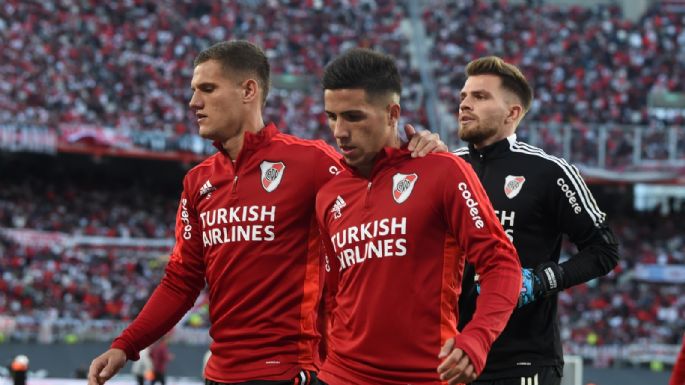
240	56
361	68
512	77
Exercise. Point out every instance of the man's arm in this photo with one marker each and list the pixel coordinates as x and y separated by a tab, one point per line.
480	236
330	271
578	216
176	293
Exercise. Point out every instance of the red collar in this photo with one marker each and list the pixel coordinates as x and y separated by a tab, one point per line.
385	157
253	140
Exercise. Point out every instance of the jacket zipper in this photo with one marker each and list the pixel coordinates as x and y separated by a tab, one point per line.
235	185
368	192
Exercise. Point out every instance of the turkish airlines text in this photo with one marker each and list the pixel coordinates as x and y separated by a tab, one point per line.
506	218
236	224
380	238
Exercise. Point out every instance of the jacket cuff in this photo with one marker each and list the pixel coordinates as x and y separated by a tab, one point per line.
131	353
473	348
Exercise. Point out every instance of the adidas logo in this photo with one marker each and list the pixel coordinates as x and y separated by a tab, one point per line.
207	188
337	207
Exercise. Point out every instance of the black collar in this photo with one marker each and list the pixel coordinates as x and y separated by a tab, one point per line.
493	151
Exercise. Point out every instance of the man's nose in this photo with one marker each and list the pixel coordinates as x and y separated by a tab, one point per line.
195	102
340	129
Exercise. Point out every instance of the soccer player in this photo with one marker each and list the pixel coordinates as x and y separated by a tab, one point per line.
537	198
245	226
397	230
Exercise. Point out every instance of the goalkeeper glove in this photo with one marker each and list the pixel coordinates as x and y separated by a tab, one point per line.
542	281
545	280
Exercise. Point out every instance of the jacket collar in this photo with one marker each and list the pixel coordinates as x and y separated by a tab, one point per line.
388	156
253	140
495	150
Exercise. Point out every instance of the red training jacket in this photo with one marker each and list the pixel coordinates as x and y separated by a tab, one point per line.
678	374
249	231
396	245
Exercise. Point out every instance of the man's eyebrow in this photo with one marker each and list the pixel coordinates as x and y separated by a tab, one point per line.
205	83
477	92
344	112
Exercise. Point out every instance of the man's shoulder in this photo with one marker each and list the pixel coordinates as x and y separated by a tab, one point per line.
461	152
203	168
315	147
439	161
541	160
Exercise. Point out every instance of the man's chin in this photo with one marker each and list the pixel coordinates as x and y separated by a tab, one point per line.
349	161
206	134
474	136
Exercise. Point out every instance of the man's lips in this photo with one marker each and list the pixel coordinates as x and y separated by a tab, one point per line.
346	150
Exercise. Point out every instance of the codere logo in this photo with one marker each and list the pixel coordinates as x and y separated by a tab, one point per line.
570	195
472	204
187	227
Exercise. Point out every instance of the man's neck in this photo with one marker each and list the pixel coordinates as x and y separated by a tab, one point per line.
234	144
495	138
366	169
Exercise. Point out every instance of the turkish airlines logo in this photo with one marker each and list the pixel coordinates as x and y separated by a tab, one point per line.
512	185
272	173
402	186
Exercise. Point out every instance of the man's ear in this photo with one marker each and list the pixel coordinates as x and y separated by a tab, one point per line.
515	113
250	90
394	111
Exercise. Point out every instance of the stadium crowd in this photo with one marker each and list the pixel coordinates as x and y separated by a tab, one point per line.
128	65
51	283
587	64
90	283
621	309
125	212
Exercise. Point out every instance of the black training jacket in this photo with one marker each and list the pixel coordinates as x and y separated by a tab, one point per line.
537	197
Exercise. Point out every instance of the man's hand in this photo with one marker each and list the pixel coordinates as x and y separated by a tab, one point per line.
456	368
424	142
106	366
545	280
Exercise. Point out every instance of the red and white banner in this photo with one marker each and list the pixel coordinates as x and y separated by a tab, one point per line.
35	238
91	135
44	239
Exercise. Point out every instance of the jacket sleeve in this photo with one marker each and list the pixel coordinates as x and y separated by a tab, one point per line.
578	216
331	269
330	262
472	221
182	282
678	375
